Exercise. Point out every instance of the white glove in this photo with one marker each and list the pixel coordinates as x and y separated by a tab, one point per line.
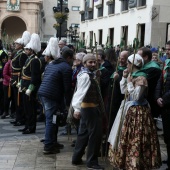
20	89
18	85
28	92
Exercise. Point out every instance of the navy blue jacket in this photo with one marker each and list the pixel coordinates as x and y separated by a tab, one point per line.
57	81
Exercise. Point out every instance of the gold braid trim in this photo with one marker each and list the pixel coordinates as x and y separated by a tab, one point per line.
14	60
30	66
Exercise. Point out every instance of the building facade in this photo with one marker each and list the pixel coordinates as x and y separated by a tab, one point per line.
35	16
16	16
112	20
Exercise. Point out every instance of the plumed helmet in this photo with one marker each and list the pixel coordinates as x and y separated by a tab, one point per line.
19	41
54	48
26	36
34	43
46	52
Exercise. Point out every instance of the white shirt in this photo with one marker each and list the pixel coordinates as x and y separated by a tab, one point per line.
83	84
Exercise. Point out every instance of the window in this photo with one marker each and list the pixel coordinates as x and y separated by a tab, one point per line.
111	8
100	10
141	3
75	25
83	17
100	37
90	15
75	8
124	36
142	35
124	5
91	39
111	37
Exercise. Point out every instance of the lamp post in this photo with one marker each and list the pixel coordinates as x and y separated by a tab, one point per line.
61	7
60	15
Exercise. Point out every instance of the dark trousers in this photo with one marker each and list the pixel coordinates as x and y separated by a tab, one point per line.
29	103
19	109
1	98
6	99
90	133
166	129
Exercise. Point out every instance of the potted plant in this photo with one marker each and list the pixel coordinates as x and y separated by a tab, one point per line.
60	17
56	26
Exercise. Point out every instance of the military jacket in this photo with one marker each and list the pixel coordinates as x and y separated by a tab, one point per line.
17	63
31	73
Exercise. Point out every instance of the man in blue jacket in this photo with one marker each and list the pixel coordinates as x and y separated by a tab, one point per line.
55	93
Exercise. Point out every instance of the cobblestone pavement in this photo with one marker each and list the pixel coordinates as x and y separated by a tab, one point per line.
24	152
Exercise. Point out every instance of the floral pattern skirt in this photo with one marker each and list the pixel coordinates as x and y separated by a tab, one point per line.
138	147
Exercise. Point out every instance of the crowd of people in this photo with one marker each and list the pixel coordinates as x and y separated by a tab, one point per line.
110	97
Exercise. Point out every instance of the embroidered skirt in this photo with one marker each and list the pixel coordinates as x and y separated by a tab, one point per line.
138	147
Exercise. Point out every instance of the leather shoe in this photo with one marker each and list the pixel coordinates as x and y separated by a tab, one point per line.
59	145
18	124
51	150
42	140
13	121
4	115
28	131
22	130
78	162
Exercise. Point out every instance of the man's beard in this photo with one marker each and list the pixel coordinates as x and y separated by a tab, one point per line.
92	68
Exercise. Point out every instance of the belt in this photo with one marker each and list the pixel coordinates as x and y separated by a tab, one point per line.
26	78
16	74
84	105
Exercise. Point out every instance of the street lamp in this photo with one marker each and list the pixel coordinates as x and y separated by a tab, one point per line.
60	16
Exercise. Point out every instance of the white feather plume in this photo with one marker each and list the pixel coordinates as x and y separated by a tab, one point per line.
34	43
26	36
47	52
54	48
19	41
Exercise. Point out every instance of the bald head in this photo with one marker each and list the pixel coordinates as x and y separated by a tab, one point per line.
123	58
61	44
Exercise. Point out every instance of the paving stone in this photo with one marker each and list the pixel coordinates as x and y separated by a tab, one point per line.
23	168
8	157
30	164
45	160
7	164
45	165
46	168
8	152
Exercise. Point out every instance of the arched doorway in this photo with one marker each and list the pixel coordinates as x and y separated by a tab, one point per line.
13	27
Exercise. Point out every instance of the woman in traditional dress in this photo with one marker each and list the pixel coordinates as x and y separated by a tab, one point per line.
133	139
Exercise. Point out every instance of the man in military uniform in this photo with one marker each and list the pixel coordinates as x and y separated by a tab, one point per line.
17	64
30	82
3	60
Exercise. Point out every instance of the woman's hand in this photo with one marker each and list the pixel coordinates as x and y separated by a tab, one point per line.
125	73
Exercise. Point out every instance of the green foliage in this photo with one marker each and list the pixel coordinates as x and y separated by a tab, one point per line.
61	15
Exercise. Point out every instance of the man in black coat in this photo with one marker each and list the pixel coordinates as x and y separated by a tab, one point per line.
55	92
162	95
17	64
30	82
153	72
115	80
